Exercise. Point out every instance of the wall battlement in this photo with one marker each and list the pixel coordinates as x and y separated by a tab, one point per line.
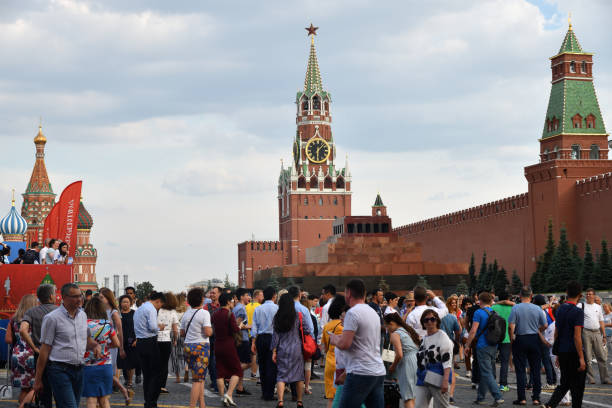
497	207
264	246
600	182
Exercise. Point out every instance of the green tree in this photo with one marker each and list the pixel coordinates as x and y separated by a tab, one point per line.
588	266
462	287
422	281
492	278
482	275
273	281
383	285
501	282
516	285
143	289
537	277
547	260
562	266
604	270
472	282
577	262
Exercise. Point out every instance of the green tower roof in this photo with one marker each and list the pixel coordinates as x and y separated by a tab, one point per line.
569	97
312	82
378	202
47	280
570	43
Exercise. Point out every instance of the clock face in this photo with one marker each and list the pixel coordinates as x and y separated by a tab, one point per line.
317	150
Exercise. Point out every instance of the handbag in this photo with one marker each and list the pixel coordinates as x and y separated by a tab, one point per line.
308	344
236	335
433	379
388	355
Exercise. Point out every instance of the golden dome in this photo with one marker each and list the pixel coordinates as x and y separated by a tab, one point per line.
40	138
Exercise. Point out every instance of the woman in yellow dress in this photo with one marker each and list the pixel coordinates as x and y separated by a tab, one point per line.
334	326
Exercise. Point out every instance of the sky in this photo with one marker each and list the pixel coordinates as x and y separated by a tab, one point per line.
176	114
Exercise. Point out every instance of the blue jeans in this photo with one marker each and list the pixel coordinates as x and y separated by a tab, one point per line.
486	365
66	384
363	389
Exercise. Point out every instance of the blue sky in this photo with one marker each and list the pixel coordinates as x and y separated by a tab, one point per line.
176	116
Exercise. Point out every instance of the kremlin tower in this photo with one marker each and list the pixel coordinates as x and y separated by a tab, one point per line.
38	198
86	254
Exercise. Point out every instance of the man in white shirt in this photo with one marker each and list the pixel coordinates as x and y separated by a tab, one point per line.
421	295
359	344
43	252
328	294
594	338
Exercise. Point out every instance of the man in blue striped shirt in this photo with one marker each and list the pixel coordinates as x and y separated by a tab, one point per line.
261	333
146	328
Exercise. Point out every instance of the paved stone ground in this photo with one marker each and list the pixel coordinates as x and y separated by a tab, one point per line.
595	396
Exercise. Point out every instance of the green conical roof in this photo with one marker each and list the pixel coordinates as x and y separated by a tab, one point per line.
47	280
313	83
378	202
570	43
570	97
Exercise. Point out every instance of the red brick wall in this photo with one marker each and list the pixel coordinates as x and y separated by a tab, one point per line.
265	254
594	204
501	228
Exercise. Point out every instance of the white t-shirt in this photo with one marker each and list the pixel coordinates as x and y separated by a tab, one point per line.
196	329
363	357
167	317
50	256
42	254
58	258
325	312
390	310
414	318
593	314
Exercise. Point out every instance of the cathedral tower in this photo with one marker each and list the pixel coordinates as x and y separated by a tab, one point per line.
313	191
86	255
574	145
38	198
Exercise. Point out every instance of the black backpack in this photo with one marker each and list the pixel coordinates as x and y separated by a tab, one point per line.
30	256
496	328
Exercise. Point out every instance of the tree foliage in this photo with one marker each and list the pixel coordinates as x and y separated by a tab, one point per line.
588	266
500	285
561	268
143	289
472	283
462	287
422	281
516	285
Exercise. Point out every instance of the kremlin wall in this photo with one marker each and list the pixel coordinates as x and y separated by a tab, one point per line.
19	231
321	242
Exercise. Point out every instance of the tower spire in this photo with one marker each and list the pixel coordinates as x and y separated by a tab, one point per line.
313	82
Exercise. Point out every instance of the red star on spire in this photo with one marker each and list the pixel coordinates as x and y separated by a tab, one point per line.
312	30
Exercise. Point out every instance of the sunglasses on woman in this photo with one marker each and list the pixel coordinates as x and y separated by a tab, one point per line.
429	319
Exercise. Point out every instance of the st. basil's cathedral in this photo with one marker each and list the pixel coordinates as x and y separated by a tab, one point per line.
20	230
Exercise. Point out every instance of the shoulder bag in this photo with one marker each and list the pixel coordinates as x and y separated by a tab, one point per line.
308	344
388	355
189	323
237	336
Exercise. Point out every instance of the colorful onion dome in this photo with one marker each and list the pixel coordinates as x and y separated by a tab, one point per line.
13	223
85	219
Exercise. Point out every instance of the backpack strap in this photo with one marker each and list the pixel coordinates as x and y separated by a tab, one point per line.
484	328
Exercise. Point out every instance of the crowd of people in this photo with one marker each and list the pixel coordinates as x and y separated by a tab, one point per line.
375	347
54	252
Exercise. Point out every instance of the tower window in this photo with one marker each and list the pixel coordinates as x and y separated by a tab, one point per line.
302	182
305	200
590	121
359	228
326	105
305	106
583	67
545	155
335	200
320	201
340	182
316	103
575	155
368	228
594	152
577	121
573	67
305	217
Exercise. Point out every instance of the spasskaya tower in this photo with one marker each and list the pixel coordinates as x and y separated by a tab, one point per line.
313	191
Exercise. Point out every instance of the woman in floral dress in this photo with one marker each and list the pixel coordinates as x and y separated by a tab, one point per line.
22	356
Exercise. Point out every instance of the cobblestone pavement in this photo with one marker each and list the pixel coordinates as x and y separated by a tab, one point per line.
596	395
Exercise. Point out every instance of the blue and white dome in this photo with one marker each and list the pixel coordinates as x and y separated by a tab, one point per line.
13	224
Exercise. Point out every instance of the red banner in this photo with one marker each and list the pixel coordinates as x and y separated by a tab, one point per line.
69	215
51	228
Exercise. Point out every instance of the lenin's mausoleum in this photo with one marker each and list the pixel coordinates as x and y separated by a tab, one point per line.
319	238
